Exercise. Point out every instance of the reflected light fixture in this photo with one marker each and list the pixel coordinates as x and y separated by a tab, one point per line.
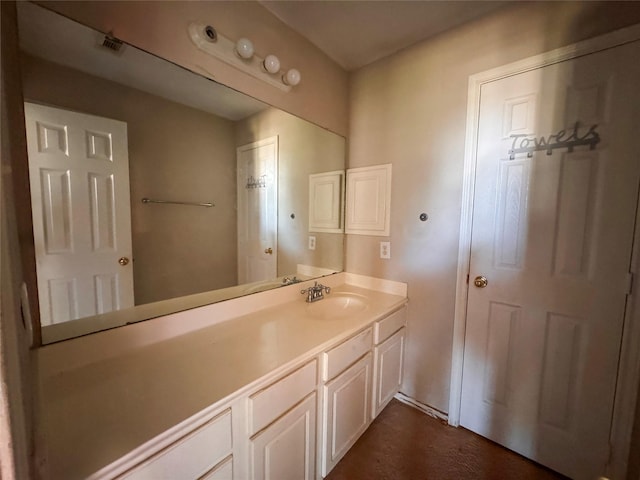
241	55
271	64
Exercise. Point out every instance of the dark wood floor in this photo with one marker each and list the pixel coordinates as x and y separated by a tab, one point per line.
404	443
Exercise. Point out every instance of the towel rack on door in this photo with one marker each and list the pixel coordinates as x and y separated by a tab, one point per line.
195	204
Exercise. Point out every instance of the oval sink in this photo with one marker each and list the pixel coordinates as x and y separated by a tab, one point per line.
337	305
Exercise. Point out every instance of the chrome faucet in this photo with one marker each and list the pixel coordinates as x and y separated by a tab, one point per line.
290	281
316	292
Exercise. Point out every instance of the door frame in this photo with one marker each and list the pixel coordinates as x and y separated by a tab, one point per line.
629	366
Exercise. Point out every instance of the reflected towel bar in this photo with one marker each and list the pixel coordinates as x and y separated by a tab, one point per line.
195	204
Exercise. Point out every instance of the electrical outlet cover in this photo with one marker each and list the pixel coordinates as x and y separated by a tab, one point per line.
312	242
385	249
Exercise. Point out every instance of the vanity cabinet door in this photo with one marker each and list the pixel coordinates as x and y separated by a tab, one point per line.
347	414
286	449
222	471
387	370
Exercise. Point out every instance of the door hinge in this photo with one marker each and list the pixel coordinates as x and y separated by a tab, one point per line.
630	278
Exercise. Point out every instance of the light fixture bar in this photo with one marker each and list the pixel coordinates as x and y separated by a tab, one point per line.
225	50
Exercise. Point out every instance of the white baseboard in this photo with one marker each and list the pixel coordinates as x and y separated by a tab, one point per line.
412	402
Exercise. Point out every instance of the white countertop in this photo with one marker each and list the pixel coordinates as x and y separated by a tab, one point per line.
94	412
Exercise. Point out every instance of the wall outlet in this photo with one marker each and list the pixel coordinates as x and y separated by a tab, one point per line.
312	242
385	249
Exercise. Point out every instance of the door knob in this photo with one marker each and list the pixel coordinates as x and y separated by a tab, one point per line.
123	261
480	281
268	250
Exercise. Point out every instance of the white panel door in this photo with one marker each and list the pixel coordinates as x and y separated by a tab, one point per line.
552	234
79	176
258	210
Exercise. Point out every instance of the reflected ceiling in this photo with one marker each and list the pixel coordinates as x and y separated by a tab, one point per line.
73	45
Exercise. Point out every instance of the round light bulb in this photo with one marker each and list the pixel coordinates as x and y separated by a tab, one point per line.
271	64
244	48
292	77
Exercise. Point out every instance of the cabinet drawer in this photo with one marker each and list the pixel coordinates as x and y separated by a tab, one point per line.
389	325
190	457
268	404
340	357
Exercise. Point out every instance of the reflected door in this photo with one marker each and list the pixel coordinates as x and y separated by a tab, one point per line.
552	235
257	210
79	178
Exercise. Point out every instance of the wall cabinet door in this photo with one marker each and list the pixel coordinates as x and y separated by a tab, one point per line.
388	370
285	450
347	403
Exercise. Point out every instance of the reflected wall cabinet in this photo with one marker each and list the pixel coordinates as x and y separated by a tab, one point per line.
326	192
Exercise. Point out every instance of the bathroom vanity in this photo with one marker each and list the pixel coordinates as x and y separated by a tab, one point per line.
265	386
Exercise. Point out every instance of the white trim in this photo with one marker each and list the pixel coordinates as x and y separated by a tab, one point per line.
412	402
629	372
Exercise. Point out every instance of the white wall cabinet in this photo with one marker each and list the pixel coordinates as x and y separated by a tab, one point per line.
286	449
368	206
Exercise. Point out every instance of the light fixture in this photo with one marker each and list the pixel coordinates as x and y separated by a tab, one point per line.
241	55
211	33
292	77
271	64
244	48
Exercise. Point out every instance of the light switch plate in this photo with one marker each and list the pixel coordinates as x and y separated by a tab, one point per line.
385	249
312	242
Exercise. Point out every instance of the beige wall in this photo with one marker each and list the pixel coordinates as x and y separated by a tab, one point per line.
161	28
304	149
410	109
175	153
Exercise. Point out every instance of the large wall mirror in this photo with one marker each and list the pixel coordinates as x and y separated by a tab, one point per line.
155	189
